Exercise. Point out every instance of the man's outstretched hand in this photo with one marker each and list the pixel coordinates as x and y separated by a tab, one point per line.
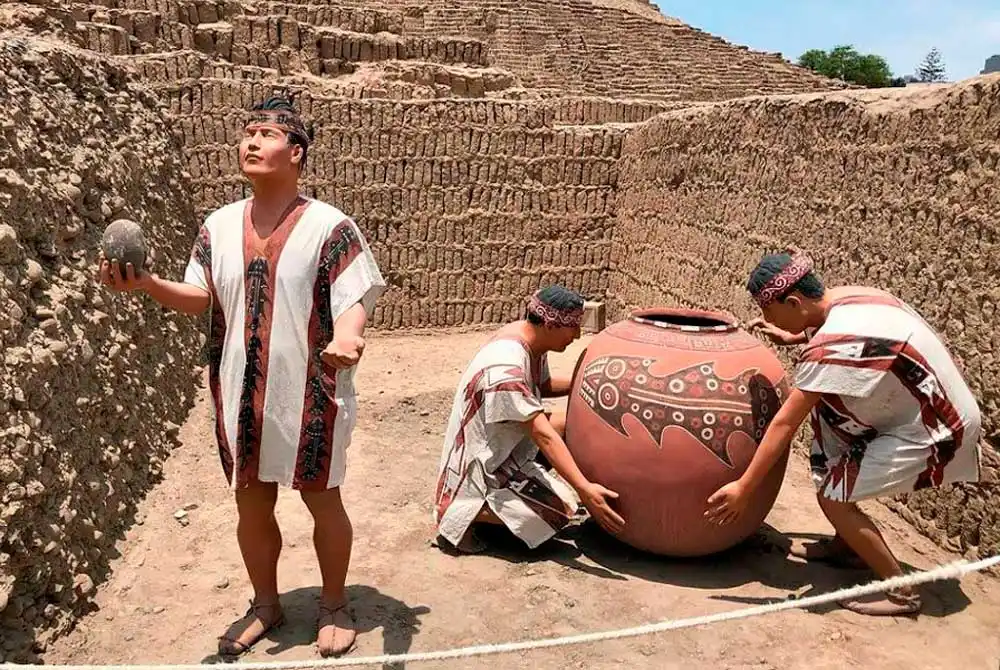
343	352
595	498
728	503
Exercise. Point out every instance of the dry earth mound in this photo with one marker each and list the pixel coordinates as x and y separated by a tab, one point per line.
89	381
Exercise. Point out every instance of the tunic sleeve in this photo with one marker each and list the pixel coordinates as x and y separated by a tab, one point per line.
507	396
846	365
350	267
199	268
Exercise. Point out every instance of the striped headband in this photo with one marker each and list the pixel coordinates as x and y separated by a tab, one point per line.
553	316
780	284
289	122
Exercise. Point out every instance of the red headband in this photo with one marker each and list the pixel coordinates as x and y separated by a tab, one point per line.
289	122
554	317
780	283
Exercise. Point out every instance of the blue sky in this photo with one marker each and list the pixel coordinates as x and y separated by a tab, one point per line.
966	32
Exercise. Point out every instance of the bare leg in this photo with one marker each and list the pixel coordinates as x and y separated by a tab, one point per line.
332	537
861	535
260	543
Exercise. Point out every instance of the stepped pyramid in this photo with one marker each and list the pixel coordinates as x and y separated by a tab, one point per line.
403	49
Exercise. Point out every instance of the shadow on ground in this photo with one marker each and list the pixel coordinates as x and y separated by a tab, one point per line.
762	559
372	609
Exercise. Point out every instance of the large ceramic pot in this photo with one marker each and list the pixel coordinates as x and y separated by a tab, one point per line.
667	406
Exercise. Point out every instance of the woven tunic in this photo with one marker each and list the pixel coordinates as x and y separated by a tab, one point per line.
279	416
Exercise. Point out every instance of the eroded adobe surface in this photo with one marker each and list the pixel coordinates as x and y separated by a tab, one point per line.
90	383
896	189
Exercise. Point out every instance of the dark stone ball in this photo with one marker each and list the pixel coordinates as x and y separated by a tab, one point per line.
123	239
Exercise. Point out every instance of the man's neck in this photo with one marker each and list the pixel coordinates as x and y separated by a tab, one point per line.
531	338
819	311
271	198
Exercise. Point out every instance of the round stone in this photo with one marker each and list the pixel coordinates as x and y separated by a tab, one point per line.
123	240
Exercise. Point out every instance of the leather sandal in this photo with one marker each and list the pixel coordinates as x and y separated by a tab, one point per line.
253	620
890	603
336	634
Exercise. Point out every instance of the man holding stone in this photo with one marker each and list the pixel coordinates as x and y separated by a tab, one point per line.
289	282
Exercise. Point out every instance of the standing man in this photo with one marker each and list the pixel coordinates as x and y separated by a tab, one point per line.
487	472
890	412
290	282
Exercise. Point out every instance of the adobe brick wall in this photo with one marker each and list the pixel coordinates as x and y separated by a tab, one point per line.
895	188
469	206
582	47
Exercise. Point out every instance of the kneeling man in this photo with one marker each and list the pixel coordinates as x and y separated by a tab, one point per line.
488	471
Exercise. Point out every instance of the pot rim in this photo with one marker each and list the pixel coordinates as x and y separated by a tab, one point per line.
646	316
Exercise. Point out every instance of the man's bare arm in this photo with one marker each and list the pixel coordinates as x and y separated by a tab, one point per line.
556	386
178	296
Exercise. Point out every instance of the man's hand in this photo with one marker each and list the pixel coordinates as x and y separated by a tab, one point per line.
775	334
112	276
728	503
594	498
343	352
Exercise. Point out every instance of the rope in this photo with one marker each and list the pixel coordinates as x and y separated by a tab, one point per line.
947	571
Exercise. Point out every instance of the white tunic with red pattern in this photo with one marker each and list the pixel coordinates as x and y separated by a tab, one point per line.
896	415
488	455
279	417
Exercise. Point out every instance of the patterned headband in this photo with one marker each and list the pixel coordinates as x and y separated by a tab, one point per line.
553	316
287	121
780	283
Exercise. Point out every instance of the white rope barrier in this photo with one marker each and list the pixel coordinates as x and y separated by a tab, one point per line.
947	571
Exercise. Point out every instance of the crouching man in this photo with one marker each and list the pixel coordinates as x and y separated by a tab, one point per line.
890	413
488	472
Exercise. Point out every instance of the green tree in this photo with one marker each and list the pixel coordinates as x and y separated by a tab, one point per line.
932	67
844	62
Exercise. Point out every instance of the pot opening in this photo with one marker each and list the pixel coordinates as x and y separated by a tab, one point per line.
688	320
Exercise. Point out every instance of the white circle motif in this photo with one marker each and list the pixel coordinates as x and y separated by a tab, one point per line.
608	396
708	418
676	385
615	369
707	434
678	416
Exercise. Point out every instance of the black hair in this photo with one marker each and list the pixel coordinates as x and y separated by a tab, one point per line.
811	286
558	297
277	103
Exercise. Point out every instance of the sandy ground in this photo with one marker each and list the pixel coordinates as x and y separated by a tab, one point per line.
176	587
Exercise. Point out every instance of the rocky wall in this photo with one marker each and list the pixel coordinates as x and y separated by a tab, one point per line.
92	384
895	188
469	205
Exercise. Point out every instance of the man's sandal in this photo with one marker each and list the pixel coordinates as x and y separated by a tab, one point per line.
336	634
890	603
254	623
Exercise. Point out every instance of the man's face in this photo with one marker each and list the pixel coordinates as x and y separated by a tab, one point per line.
564	336
265	150
789	314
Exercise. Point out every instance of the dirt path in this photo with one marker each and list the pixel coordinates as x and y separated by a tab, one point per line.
176	587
